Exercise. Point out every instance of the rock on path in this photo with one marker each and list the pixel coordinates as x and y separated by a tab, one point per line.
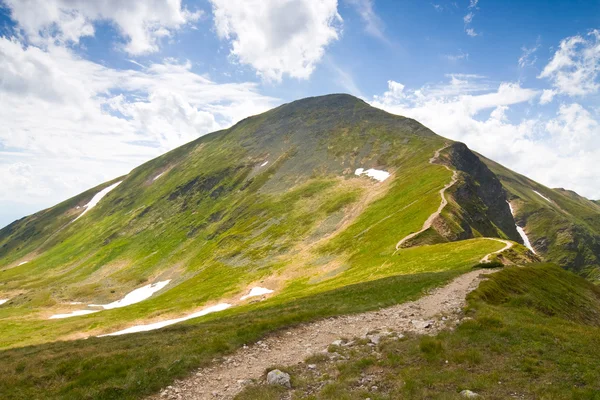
226	378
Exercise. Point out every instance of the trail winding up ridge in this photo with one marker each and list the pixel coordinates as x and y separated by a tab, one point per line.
443	204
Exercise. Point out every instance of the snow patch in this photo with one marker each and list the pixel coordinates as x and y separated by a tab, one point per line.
135	296
525	239
542	196
2	301
257	291
21	263
96	199
162	324
75	313
265	163
373	173
521	230
157	176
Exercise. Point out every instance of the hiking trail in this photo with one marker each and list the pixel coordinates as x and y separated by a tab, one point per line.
443	203
440	308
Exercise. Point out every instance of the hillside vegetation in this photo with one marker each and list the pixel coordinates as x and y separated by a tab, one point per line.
278	203
562	226
529	333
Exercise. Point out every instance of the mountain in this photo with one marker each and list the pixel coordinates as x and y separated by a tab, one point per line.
320	207
563	226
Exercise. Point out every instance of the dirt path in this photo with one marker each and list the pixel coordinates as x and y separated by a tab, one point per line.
508	244
436	214
227	377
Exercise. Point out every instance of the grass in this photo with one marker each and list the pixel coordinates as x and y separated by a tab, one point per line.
218	221
128	367
532	332
565	231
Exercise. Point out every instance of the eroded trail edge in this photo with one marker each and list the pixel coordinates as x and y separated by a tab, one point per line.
441	308
444	202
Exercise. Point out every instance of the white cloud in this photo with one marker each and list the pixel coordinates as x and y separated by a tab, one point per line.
528	57
278	37
559	151
468	18
373	24
142	23
461	55
575	66
344	79
471	32
547	96
69	124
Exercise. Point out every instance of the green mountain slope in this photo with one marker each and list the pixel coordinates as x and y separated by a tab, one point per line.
563	226
530	333
277	201
274	199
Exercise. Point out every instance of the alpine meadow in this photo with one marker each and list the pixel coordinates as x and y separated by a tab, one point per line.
272	225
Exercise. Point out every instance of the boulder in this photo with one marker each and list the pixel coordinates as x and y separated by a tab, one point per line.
469	394
277	377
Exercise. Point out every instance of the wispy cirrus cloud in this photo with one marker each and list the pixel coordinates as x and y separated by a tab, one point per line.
374	26
468	18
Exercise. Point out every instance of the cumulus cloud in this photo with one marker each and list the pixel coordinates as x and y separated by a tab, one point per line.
278	37
575	66
558	151
69	123
142	23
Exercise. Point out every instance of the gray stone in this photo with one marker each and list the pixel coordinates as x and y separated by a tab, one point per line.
469	394
375	339
421	324
277	377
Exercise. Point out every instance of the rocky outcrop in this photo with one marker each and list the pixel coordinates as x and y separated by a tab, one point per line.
480	196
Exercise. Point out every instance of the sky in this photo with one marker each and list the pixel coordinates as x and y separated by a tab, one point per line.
91	89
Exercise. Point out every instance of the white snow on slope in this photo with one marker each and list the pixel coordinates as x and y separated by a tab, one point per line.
525	239
542	196
96	199
135	296
257	291
162	324
265	163
373	173
157	176
21	263
522	231
73	314
2	301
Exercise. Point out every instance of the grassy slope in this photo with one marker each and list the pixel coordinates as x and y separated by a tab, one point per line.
534	333
565	231
133	365
214	223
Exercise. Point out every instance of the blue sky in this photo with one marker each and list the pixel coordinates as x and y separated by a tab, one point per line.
89	90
